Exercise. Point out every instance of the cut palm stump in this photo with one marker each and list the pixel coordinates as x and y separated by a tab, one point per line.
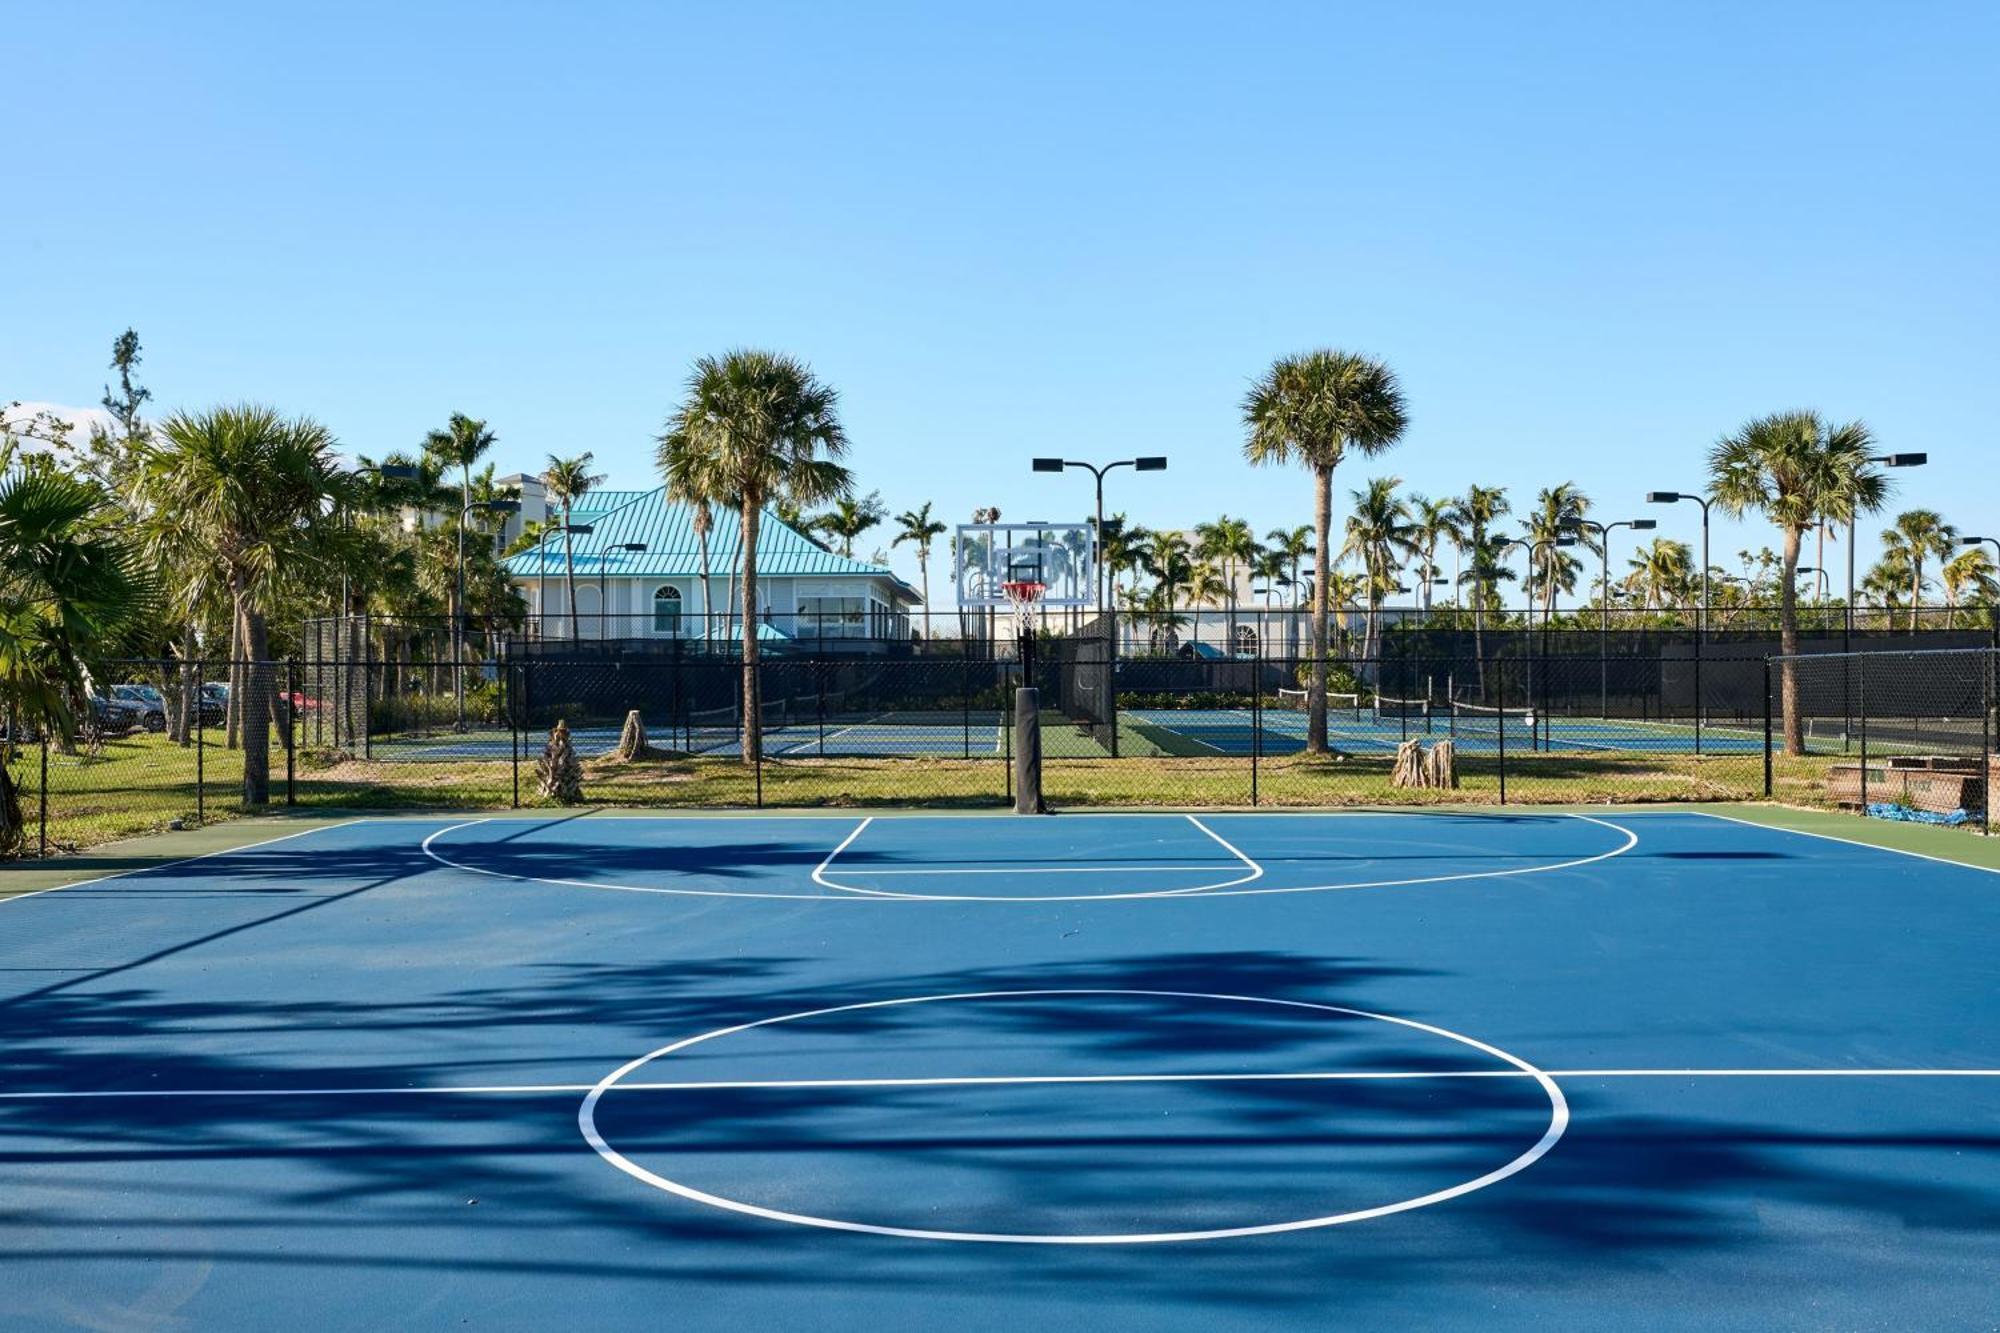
558	775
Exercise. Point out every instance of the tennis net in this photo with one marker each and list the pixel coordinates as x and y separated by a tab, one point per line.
1295	701
1485	720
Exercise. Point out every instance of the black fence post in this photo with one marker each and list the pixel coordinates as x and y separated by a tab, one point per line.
293	700
1500	722
1861	722
42	792
200	746
1986	741
1767	728
965	694
1256	713
516	717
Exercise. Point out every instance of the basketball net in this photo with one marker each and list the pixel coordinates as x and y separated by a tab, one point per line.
1022	594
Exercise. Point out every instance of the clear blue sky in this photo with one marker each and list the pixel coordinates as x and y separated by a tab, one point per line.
1590	238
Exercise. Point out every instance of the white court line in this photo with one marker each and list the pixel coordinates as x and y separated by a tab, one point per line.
1834	837
856	894
812	742
981	1081
820	877
185	860
1031	870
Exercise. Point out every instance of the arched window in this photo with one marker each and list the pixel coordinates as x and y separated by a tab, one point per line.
1246	640
667	611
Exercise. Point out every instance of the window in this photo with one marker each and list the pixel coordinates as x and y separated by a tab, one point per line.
833	617
1246	640
667	611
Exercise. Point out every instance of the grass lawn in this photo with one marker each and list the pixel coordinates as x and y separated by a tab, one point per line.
143	783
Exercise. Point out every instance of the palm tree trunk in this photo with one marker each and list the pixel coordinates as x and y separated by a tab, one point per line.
254	711
1916	587
753	713
707	583
1788	644
1323	532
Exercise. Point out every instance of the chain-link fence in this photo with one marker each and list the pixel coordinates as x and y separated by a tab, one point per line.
1901	734
1895	735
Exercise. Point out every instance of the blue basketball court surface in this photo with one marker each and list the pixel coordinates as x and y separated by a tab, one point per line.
1149	1071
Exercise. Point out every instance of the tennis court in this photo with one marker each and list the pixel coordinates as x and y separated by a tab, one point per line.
1660	1069
1366	729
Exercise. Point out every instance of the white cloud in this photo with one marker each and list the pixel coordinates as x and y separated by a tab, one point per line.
80	420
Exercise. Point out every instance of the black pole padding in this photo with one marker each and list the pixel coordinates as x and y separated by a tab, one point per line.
1028	752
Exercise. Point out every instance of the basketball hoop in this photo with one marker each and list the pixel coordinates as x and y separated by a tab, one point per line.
1022	595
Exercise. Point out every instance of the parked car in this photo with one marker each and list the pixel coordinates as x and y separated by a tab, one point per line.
148	702
112	717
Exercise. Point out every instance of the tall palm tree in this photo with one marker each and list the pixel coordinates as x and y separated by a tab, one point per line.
1292	544
1431	522
917	527
1969	580
1125	545
1478	510
257	494
1207	587
569	480
849	518
1919	534
1170	560
1796	469
1273	569
1311	409
1378	532
771	429
1229	544
1558	511
460	444
695	480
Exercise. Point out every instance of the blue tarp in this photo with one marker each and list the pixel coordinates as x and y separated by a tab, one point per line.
1906	815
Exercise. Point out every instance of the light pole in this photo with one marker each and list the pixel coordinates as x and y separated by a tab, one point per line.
1604	531
1701	612
1150	463
542	569
458	618
602	601
1096	470
1887	460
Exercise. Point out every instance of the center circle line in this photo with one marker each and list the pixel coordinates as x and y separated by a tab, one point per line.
1559	1117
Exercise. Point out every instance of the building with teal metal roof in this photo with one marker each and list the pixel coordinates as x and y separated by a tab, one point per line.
639	575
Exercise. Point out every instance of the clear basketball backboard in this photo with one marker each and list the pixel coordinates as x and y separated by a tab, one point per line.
1060	556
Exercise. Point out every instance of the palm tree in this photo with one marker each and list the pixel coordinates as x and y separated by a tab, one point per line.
693	479
1292	544
1273	569
1919	534
1227	543
1125	545
1558	511
1169	559
917	527
569	480
256	494
460	444
1968	580
1479	509
1662	573
769	428
1431	521
71	584
1377	531
1796	469
1207	587
849	518
1311	409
